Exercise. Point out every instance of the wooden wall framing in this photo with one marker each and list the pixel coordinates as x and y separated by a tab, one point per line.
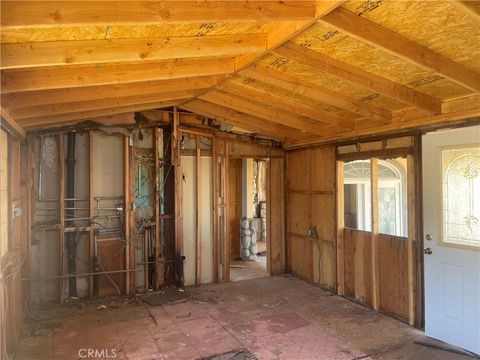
373	268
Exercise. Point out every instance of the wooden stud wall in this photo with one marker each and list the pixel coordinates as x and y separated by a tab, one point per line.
373	268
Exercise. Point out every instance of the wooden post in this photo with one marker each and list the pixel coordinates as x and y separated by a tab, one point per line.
215	209
411	206
268	198
418	263
375	258
145	260
178	194
126	194
340	229
157	213
61	173
91	213
226	245
198	244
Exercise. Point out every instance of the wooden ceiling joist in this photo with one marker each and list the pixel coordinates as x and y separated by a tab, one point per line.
58	96
286	104
318	61
260	110
287	31
61	119
245	121
295	85
471	6
62	53
91	105
418	123
58	78
379	36
12	123
69	13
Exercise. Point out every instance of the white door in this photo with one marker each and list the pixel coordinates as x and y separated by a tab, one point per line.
451	210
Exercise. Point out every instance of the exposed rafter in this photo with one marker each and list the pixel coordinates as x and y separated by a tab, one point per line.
314	59
286	104
471	6
11	122
62	53
73	13
284	33
415	123
59	96
379	36
298	86
72	77
248	122
254	108
99	104
55	120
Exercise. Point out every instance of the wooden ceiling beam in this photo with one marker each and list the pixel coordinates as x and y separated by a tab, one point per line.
73	77
63	53
254	108
393	128
75	13
89	115
471	7
379	36
354	75
19	130
242	120
284	103
287	31
298	86
58	96
75	107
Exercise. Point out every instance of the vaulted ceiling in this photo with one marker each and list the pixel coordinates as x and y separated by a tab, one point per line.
296	71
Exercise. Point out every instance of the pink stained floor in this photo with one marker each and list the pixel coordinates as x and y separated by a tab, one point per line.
277	317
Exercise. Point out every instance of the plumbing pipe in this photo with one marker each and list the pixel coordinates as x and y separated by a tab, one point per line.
71	241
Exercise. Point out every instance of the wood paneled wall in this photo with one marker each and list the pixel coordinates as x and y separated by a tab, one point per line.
311	204
358	265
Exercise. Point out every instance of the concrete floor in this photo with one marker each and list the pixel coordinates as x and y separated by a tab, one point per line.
249	269
277	317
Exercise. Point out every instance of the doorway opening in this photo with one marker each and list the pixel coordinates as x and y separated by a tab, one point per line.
248	218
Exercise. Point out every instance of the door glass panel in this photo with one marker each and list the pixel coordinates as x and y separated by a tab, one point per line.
461	196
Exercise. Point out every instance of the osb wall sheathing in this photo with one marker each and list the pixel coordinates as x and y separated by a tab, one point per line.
307	75
109	32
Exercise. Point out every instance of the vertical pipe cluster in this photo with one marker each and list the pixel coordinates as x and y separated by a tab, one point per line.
70	213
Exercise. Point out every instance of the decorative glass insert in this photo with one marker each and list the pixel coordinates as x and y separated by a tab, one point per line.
461	195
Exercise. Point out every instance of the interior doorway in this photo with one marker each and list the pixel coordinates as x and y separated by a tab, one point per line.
247	213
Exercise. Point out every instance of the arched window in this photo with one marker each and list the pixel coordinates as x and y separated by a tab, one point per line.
391	196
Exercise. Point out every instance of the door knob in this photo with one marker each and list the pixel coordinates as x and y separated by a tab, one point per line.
428	237
427	251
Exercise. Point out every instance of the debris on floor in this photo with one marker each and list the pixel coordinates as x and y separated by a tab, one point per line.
232	355
165	297
277	317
